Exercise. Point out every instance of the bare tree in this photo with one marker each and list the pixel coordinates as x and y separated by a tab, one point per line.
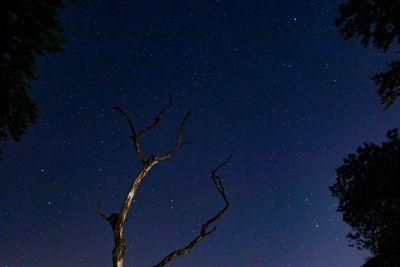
117	220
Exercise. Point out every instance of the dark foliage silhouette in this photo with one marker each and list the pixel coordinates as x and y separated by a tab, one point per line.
378	261
368	186
376	21
27	29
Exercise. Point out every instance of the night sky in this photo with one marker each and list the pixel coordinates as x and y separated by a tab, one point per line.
271	83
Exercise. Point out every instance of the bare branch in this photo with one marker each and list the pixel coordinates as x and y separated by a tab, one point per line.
133	188
227	161
180	139
204	231
100	210
133	136
151	162
217	180
156	119
136	136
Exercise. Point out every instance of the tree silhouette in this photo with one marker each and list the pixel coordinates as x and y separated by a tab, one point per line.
376	21
117	220
27	29
379	261
368	185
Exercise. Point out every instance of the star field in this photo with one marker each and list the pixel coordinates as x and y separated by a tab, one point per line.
271	83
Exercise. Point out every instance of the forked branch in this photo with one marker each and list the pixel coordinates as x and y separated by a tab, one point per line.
204	231
117	220
180	139
135	136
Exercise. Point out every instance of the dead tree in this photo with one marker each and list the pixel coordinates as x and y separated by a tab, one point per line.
118	220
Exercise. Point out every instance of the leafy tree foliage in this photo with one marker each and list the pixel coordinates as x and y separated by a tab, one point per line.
368	185
378	261
376	21
27	28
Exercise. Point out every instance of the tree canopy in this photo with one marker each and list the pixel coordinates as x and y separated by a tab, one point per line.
376	21
28	28
368	185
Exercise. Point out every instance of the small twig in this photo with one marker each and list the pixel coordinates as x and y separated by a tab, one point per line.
156	119
101	211
217	180
204	228
227	161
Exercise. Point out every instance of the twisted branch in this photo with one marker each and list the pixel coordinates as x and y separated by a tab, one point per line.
204	231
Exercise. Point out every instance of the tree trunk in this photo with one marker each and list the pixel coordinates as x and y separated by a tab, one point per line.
118	252
119	263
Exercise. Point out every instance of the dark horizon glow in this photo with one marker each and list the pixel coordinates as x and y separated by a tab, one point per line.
273	84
